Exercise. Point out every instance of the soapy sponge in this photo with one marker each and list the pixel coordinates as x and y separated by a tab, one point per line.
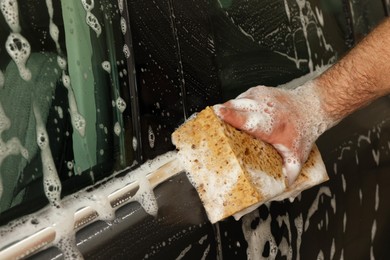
232	171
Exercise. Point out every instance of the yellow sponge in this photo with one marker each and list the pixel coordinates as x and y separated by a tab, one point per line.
232	171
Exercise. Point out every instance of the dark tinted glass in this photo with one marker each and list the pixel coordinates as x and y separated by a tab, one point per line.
65	101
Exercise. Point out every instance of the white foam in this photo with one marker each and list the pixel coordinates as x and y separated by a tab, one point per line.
344	222
145	196
376	156
93	22
19	49
332	249
135	143
291	164
373	231
314	207
121	104
333	204
377	197
212	196
151	137
62	220
258	237
265	185
183	252
62	63
117	129
51	182
120	6
54	32
90	18
106	66
123	26
66	80
344	182
70	165
78	122
320	255
9	8
126	51
88	5
298	221
60	112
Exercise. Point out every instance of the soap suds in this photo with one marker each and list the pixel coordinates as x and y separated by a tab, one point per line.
19	49
184	252
120	104
90	18
377	197
51	182
151	137
16	45
53	29
106	66
9	9
62	220
117	129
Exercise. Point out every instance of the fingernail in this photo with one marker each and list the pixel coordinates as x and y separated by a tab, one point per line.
219	109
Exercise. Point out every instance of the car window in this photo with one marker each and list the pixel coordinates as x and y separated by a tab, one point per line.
65	101
91	87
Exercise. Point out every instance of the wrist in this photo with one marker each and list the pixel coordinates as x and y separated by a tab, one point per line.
313	105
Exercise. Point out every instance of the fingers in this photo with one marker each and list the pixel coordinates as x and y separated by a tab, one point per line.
231	116
238	119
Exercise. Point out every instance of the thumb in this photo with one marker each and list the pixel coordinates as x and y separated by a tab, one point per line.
291	164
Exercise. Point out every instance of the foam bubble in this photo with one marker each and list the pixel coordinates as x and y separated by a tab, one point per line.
60	112
78	122
70	165
42	139
145	196
9	8
93	22
377	197
19	49
259	113
61	62
66	80
54	32
120	104
88	5
106	66
259	236
135	143
126	51
120	6
117	129
123	26
51	182
61	221
151	137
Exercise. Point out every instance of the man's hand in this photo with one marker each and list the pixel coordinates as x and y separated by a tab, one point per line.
290	120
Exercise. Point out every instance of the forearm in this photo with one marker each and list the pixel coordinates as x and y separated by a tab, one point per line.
358	78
